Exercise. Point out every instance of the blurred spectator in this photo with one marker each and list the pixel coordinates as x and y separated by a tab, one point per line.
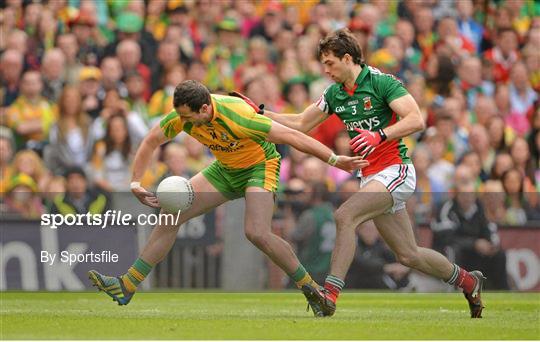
274	100
156	19
341	147
271	22
52	70
83	27
503	162
257	62
112	156
450	38
185	31
439	73
463	233
79	198
31	116
113	104
429	192
7	145
111	78
67	42
315	232
11	66
440	169
90	78
405	31
521	155
129	55
296	93
522	98
29	163
470	80
168	57
479	143
493	199
513	186
291	165
425	33
18	40
502	100
404	70
175	157
532	60
135	87
70	139
130	26
374	265
161	101
56	185
315	170
469	27
471	159
197	155
504	54
484	111
454	137
225	55
22	199
499	135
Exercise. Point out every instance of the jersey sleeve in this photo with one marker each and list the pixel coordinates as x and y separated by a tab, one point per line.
257	127
391	88
323	103
171	125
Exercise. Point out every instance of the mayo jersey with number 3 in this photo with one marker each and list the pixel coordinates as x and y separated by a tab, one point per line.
236	135
367	107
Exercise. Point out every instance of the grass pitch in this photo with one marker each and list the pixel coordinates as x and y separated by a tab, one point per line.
264	316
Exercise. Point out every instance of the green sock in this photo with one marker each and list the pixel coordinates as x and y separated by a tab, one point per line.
136	274
301	277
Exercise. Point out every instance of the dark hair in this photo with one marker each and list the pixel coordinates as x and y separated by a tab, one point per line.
341	42
109	144
192	94
506	174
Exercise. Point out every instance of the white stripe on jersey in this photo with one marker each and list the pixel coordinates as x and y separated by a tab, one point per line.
321	102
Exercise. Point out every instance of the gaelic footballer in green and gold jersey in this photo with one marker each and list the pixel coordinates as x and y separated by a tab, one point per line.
367	107
236	135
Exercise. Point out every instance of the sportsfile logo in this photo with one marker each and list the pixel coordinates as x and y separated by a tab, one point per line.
109	218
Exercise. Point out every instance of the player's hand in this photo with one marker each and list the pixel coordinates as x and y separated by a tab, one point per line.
350	164
145	197
258	109
365	142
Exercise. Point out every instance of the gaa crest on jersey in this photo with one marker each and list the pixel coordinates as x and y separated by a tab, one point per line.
367	103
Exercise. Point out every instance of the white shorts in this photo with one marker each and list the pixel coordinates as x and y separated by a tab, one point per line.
399	179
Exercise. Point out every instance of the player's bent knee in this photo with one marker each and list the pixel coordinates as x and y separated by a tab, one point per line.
409	259
258	238
344	220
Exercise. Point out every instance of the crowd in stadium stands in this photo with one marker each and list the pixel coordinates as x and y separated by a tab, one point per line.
83	81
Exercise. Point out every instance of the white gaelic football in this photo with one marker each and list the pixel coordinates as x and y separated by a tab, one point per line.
175	193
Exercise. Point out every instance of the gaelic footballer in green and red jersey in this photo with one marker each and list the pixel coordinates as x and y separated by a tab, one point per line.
367	107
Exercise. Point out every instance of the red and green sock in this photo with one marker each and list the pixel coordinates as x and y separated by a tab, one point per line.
463	279
136	274
333	286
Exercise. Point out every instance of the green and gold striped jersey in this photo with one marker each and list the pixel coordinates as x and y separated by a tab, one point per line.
236	135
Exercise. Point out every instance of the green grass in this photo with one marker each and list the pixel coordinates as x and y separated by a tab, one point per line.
264	316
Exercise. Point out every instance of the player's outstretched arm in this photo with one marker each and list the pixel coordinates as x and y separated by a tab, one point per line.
303	122
142	158
281	134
